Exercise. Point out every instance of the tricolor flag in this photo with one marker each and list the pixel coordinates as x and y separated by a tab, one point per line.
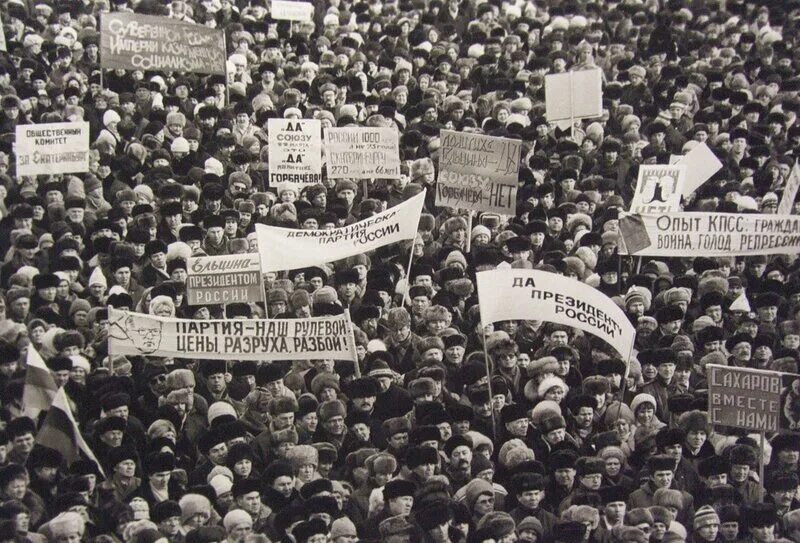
40	387
59	431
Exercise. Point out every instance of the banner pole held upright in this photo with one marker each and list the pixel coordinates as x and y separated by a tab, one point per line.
351	338
406	294
761	461
469	231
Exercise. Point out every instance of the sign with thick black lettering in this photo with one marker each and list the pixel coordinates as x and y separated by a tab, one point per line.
295	152
744	398
512	294
52	148
132	41
708	234
478	173
138	334
290	249
362	152
224	279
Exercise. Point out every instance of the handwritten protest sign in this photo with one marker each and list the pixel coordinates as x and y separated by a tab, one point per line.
513	294
744	398
658	189
573	95
478	172
701	163
288	249
52	148
285	10
131	41
362	153
709	234
224	279
790	191
139	334
295	151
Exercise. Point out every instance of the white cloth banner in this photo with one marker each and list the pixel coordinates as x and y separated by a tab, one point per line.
314	338
709	234
289	249
538	295
52	148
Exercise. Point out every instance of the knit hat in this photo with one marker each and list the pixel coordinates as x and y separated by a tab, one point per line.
235	518
705	516
343	527
193	504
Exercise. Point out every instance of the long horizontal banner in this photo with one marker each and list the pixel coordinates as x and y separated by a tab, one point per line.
289	249
752	399
708	234
132	41
139	334
224	279
511	294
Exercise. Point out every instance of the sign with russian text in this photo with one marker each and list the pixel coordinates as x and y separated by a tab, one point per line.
224	279
132	41
52	148
285	10
513	294
478	172
790	191
138	334
744	398
289	249
708	234
362	153
573	95
658	189
295	151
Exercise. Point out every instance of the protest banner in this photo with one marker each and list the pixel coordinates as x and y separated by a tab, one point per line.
138	334
478	173
286	10
362	153
790	191
701	163
224	279
132	41
289	249
744	398
52	148
515	294
658	189
3	46
709	234
295	151
573	95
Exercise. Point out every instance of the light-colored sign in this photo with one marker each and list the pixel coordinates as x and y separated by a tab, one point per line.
478	173
573	95
790	191
52	148
658	189
138	334
224	279
744	398
289	249
3	46
709	234
514	294
701	163
295	151
132	41
285	10
362	153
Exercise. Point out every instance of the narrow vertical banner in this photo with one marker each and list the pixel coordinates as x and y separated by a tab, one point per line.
351	338
790	191
478	173
295	151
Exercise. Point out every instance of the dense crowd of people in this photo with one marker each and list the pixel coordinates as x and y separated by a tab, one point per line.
446	430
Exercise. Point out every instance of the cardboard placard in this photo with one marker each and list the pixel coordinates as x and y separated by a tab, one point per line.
478	172
790	191
574	95
362	153
224	279
658	189
52	148
701	163
285	10
295	152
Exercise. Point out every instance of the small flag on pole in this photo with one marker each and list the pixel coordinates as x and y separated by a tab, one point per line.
59	431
